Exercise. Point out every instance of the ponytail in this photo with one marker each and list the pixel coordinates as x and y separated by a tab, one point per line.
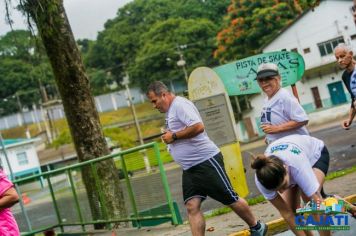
270	171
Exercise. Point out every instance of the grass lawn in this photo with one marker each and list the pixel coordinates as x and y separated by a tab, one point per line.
125	137
106	118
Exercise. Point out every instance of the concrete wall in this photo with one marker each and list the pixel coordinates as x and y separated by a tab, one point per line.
329	20
106	102
31	154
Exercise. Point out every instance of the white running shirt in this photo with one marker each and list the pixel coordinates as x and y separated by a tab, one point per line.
281	108
191	151
299	153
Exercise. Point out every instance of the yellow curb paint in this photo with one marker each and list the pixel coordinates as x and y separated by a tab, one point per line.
351	198
280	225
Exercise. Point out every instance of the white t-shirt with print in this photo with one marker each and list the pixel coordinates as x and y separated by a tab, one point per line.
299	153
281	108
191	151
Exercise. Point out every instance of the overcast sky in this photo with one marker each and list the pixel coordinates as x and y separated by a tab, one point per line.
86	17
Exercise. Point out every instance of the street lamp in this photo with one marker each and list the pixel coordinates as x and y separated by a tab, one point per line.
182	63
125	82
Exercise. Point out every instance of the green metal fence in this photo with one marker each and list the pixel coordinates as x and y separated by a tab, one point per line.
63	203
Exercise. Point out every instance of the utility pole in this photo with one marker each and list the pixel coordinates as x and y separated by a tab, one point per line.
47	113
27	132
125	82
43	91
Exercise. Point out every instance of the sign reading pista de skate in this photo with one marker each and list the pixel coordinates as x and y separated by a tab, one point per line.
239	76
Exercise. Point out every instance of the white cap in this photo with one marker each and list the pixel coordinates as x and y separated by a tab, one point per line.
266	70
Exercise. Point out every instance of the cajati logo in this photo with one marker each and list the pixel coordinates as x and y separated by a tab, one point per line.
330	214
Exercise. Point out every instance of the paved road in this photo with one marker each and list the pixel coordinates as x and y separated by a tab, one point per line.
341	145
148	191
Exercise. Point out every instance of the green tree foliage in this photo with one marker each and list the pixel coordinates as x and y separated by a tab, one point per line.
100	81
13	77
118	135
125	40
143	35
121	45
63	138
17	44
158	56
23	66
249	24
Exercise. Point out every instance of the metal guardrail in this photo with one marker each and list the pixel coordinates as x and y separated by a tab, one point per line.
134	217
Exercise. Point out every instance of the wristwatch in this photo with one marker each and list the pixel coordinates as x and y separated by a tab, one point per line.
174	136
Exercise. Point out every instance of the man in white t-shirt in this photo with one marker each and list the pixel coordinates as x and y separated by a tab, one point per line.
281	114
290	166
201	160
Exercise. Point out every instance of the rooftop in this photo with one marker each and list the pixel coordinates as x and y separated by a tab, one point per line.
16	142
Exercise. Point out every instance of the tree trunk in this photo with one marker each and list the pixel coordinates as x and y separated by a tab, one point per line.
78	102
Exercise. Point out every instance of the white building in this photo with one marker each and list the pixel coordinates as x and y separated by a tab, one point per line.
22	156
313	35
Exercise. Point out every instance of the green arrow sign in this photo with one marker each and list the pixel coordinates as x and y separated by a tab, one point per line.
239	76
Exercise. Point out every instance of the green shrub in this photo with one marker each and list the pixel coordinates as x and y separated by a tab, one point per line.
63	138
123	138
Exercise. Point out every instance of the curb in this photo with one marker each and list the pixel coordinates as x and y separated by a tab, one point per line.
279	225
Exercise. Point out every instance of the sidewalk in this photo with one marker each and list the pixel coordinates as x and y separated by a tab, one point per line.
231	224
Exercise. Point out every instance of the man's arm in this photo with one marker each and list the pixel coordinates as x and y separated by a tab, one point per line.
188	132
346	124
290	125
286	213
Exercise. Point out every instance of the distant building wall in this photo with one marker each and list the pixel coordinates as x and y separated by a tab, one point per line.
104	103
23	159
107	102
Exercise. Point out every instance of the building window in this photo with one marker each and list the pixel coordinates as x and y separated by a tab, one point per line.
327	47
353	36
294	50
22	158
306	50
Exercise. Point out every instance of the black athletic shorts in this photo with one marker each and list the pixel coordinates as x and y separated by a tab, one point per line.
208	179
323	162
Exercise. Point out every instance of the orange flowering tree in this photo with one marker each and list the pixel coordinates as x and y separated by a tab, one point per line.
249	24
